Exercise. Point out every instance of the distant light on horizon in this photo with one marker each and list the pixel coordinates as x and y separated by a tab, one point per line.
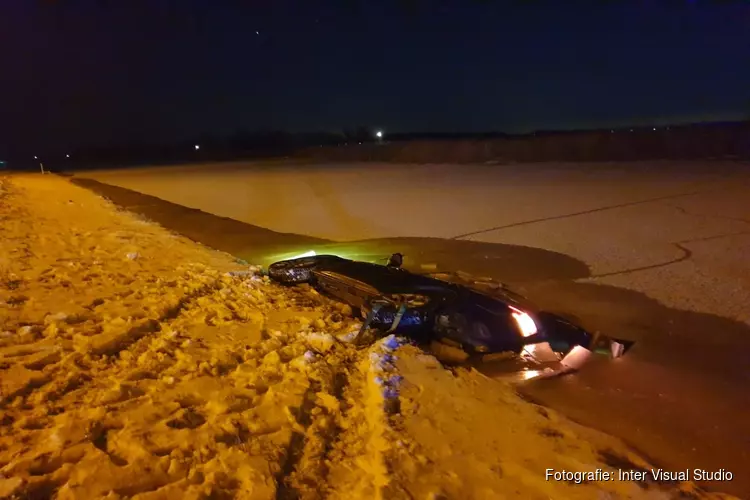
67	156
36	157
379	134
197	147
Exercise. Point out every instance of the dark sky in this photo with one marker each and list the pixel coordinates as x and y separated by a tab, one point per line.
78	72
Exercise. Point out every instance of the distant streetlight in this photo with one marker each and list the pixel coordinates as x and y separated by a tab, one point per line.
379	134
36	157
197	147
67	156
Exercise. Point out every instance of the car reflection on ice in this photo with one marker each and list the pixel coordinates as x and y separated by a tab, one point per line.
476	317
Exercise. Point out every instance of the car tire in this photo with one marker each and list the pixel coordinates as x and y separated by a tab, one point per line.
478	338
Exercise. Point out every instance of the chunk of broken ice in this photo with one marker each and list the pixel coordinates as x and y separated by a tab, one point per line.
52	318
321	342
350	336
272	358
390	393
390	342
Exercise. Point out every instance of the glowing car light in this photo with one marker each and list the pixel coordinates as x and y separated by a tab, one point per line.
311	253
530	374
524	322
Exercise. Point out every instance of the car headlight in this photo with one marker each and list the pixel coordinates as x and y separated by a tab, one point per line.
525	323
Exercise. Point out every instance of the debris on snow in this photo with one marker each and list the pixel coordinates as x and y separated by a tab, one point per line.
319	342
351	335
382	370
250	272
391	343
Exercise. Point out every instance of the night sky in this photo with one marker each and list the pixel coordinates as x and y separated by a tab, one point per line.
76	73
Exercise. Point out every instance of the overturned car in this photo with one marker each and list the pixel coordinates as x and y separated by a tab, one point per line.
479	321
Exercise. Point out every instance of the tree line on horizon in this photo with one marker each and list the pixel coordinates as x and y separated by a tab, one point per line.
279	143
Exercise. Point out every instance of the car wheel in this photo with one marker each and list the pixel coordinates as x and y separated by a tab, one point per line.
452	325
293	272
480	337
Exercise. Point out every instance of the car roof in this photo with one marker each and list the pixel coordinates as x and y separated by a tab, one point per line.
391	280
386	279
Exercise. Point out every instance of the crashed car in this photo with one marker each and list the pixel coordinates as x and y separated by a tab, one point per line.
391	299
